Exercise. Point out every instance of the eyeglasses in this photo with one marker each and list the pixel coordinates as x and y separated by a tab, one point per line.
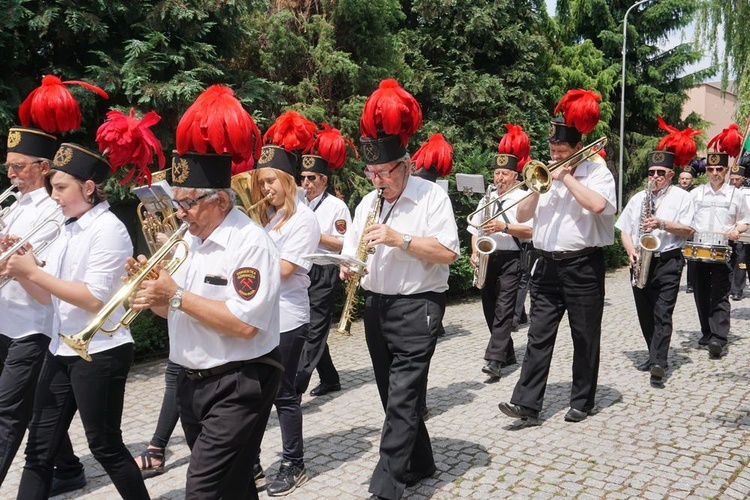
658	173
714	169
187	204
17	167
311	178
385	174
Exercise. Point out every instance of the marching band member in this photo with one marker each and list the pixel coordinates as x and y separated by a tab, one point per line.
739	250
721	211
667	217
572	222
221	304
503	268
294	230
329	153
414	239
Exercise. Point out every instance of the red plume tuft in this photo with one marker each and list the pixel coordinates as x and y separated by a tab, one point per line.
392	110
217	123
291	131
436	152
52	108
678	142
240	164
580	108
331	145
515	142
728	141
127	141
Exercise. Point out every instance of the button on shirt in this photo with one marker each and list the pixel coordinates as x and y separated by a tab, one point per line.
562	224
22	315
299	236
422	210
92	250
238	265
719	211
672	205
503	241
333	217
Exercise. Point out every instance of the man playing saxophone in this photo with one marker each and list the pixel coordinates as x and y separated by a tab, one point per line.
501	273
414	238
665	212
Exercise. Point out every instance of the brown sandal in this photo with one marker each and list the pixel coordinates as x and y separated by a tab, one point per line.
146	461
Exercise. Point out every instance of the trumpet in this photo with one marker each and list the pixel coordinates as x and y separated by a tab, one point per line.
538	177
18	245
4	212
80	341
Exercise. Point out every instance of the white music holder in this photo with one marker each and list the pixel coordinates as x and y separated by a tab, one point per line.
469	184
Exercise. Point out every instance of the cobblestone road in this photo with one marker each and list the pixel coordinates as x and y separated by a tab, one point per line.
688	440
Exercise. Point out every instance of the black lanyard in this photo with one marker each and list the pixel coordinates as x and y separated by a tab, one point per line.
325	193
388	215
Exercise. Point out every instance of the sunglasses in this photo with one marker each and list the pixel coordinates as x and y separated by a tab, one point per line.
385	174
658	173
714	169
311	178
187	204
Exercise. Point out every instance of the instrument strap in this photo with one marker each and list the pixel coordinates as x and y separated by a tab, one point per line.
325	194
388	215
507	223
655	205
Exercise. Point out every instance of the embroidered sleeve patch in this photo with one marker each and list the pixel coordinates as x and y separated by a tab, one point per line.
341	226
246	282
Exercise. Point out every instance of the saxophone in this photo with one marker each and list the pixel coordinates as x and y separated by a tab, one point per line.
485	245
352	284
648	243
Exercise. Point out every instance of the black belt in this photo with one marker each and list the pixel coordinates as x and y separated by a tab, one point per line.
268	359
669	254
506	253
572	254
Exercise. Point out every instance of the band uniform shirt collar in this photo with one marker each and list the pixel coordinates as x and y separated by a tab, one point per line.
315	200
85	220
725	188
413	188
37	196
585	168
220	235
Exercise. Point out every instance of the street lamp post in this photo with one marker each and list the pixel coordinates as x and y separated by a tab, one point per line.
622	102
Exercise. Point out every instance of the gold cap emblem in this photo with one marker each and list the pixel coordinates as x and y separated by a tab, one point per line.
266	155
14	138
714	159
657	157
735	168
180	170
63	156
501	160
308	162
551	129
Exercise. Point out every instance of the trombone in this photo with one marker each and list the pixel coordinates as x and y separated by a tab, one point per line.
538	178
4	212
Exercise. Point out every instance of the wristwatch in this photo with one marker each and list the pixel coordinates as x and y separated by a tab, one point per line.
405	242
176	301
506	228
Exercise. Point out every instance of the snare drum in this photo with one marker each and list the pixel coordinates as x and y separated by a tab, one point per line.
706	253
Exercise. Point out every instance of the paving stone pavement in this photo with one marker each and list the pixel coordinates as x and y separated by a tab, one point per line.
687	440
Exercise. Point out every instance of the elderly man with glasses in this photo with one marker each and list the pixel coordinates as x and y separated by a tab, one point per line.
667	216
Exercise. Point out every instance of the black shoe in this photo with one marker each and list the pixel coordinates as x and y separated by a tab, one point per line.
287	480
508	362
412	478
688	289
424	413
736	296
259	477
513	326
324	389
714	349
657	372
574	415
703	340
531	417
492	367
60	486
644	367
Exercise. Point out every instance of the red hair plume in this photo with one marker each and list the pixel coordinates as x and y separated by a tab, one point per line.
217	123
678	142
392	110
292	131
331	145
436	152
728	141
516	143
580	108
129	141
52	108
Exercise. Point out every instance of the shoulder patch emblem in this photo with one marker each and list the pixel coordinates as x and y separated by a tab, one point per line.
246	282
340	226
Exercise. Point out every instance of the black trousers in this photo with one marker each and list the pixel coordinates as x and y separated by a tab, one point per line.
739	276
655	304
224	418
21	363
324	281
575	285
97	390
169	413
712	299
499	297
401	333
287	401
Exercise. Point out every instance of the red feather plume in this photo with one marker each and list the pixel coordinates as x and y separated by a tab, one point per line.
331	145
515	142
240	165
52	108
291	131
580	108
728	141
125	140
392	110
217	123
436	152
678	142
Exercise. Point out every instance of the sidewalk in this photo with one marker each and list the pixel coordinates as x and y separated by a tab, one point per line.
688	440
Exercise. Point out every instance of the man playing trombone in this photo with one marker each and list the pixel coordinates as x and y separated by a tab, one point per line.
573	220
499	268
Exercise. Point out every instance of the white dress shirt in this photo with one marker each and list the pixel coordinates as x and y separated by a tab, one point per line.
299	236
422	210
672	205
22	315
92	250
562	224
333	217
504	241
719	211
239	265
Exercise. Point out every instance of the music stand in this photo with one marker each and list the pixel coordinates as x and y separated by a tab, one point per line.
443	183
469	184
